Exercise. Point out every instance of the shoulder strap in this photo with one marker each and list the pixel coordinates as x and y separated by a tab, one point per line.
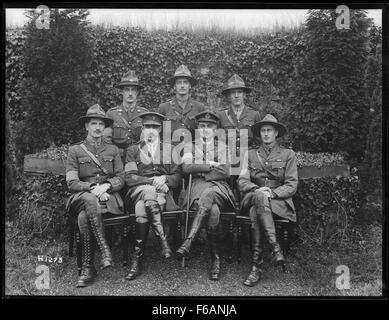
125	121
229	117
95	160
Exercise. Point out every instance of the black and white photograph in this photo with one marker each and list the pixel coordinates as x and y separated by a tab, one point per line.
196	151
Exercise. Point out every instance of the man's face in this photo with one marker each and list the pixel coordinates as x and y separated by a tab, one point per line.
237	97
130	93
150	132
182	86
268	134
207	130
95	127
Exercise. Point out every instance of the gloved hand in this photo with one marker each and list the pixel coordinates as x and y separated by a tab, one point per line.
98	190
214	164
104	197
266	190
159	181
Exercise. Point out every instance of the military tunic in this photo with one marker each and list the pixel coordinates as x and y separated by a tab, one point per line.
205	177
141	167
229	120
82	173
276	170
181	118
126	128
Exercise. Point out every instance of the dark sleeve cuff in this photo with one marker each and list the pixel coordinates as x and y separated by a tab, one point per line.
116	184
85	186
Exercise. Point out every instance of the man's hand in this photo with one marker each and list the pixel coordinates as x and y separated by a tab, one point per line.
104	197
159	181
214	164
98	190
164	188
266	190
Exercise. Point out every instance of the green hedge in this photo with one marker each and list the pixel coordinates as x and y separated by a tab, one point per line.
331	104
327	208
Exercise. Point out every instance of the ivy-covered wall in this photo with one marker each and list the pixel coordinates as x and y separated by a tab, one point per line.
286	78
267	63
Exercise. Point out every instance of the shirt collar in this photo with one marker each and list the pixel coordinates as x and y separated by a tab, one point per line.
96	143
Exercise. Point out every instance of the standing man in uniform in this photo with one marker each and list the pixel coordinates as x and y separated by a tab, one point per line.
126	127
238	116
207	161
268	182
94	174
182	109
151	174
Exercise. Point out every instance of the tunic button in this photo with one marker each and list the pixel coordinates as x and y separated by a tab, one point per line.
266	163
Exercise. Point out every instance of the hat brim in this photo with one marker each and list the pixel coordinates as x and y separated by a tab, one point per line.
192	80
108	122
256	128
207	120
245	89
128	84
151	122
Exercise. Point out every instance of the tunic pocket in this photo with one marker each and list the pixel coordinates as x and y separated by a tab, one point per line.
85	164
279	166
119	133
108	163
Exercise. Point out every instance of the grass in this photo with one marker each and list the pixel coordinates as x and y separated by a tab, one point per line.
311	271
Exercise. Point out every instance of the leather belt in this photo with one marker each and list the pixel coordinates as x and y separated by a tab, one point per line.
97	179
272	184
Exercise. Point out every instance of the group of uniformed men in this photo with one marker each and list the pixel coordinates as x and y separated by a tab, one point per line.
148	171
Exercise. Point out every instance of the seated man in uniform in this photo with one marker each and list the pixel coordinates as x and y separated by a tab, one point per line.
150	178
268	181
207	160
94	174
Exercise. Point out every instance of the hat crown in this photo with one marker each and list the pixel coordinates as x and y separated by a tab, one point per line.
95	110
152	118
207	115
183	71
235	81
270	118
130	76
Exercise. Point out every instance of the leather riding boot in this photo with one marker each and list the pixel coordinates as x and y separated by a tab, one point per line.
98	232
214	243
154	213
267	222
141	230
184	249
257	257
88	271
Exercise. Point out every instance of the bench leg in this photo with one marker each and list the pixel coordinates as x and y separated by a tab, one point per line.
230	241
239	242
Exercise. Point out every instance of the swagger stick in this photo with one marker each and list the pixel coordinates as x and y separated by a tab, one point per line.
187	213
